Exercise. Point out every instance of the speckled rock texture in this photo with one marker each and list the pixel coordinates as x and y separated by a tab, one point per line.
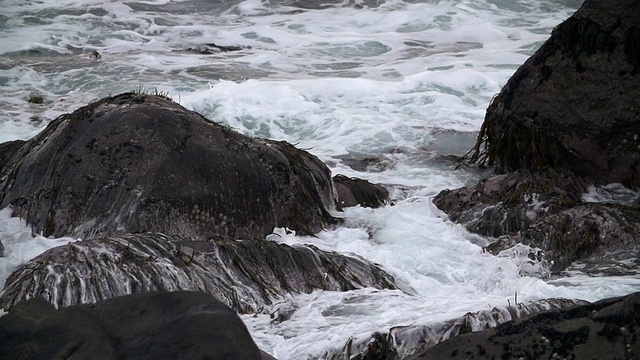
138	163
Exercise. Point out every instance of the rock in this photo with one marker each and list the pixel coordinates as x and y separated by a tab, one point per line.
356	191
158	325
607	329
136	163
246	275
36	99
506	204
574	103
211	48
545	211
402	341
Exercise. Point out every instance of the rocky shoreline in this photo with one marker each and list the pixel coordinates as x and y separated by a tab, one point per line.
174	211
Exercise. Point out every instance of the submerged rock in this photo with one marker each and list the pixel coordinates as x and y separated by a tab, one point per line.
158	325
141	163
212	48
247	275
574	103
607	329
356	191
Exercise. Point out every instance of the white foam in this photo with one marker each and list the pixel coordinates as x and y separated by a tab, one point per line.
20	245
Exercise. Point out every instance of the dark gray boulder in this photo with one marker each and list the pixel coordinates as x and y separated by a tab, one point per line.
137	163
247	275
355	191
574	103
158	325
608	329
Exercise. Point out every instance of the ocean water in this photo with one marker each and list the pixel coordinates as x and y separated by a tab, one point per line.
381	90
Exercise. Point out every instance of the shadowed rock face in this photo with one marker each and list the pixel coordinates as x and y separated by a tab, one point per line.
176	325
607	329
574	103
138	163
247	275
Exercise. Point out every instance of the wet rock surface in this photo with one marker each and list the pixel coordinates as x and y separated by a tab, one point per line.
247	275
573	104
607	329
399	342
566	122
546	211
156	325
138	163
355	191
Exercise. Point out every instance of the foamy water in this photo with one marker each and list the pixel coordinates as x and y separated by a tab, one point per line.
393	85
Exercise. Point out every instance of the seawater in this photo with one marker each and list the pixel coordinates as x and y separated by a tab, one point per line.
377	89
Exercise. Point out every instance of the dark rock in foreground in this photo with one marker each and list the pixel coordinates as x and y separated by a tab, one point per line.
176	325
247	275
356	191
574	103
608	329
141	163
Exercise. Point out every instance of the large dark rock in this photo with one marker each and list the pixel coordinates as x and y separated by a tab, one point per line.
568	118
608	329
159	325
574	103
137	163
247	275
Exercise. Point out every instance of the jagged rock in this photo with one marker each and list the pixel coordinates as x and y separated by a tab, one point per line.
158	325
247	275
139	163
506	204
574	103
402	341
607	329
356	191
543	210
